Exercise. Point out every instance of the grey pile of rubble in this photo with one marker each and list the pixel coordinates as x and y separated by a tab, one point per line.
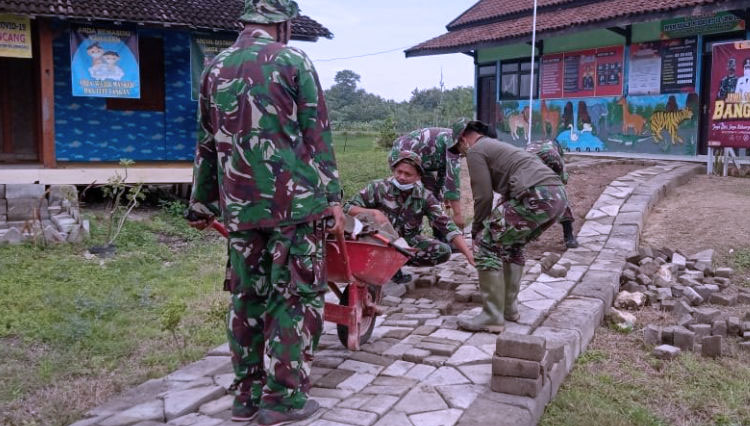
33	211
693	291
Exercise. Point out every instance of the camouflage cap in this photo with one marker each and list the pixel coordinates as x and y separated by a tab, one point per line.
410	157
269	11
457	127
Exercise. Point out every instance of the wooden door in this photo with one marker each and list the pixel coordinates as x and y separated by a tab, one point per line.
18	121
486	105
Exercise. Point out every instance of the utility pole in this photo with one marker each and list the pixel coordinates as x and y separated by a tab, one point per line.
531	89
440	102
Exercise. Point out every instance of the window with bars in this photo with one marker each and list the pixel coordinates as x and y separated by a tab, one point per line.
515	79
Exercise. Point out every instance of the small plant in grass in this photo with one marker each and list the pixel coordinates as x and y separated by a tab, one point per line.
741	259
171	317
387	133
123	198
173	207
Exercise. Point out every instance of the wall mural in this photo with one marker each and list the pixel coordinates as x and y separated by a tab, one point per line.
655	124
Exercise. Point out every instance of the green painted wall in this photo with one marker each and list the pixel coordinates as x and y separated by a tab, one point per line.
646	31
583	40
511	51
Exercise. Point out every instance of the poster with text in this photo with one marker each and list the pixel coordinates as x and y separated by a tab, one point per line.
104	62
678	65
203	49
644	77
552	76
15	36
579	74
729	125
609	75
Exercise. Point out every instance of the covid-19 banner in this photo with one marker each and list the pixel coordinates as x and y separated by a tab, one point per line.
730	96
104	62
203	48
15	36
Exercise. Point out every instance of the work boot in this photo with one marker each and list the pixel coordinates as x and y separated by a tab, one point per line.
492	287
267	417
401	278
242	409
570	239
512	273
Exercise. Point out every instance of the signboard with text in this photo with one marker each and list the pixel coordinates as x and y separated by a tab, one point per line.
203	49
552	76
678	65
595	72
730	96
705	24
104	62
15	36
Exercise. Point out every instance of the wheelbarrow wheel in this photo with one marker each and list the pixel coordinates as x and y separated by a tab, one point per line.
367	324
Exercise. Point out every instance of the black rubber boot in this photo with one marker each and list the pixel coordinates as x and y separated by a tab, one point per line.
570	239
401	278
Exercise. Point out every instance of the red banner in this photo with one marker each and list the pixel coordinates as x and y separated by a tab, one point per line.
609	75
730	96
552	76
579	73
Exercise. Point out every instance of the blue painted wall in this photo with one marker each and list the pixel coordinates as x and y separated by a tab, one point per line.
85	131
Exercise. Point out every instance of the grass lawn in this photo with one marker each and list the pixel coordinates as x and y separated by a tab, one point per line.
76	331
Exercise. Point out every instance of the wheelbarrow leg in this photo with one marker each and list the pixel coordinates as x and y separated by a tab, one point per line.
356	293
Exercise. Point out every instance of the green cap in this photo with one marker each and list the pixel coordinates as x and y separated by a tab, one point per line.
457	128
269	11
411	157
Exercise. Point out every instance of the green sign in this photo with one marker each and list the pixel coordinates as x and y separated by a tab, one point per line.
203	48
705	24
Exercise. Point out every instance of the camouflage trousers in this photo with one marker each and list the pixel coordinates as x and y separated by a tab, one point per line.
429	252
277	280
517	221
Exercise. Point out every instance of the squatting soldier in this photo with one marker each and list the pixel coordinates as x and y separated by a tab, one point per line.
442	169
404	201
729	82
265	166
533	199
551	154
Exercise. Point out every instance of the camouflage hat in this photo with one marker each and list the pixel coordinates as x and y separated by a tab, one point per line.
411	157
457	127
269	11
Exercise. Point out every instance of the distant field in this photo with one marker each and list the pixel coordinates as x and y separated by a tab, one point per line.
359	160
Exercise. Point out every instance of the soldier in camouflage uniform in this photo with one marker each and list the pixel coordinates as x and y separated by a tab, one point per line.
442	169
404	201
551	154
533	199
265	167
728	84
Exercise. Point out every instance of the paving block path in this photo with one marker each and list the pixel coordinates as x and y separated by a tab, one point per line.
418	369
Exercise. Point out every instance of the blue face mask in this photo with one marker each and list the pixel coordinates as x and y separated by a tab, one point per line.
402	186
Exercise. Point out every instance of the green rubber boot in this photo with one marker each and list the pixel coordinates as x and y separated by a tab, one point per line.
492	286
512	273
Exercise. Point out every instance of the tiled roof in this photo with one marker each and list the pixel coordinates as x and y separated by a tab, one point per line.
517	26
199	14
489	9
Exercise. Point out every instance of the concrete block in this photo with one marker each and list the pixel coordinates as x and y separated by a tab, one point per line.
652	335
734	326
503	366
601	285
3	207
711	346
16	191
692	296
484	411
581	314
723	299
706	315
23	209
683	338
666	352
700	330
724	272
59	193
521	346
517	385
566	342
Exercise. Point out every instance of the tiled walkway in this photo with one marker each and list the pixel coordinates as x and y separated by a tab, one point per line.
418	369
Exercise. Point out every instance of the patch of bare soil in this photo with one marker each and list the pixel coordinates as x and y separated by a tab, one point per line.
707	212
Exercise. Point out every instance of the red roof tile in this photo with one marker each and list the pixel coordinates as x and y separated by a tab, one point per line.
199	14
489	9
515	27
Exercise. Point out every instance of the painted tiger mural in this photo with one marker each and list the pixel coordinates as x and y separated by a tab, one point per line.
669	121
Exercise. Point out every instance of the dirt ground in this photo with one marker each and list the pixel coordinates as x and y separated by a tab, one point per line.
584	187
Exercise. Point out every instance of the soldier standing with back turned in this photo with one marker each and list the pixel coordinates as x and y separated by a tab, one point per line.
265	167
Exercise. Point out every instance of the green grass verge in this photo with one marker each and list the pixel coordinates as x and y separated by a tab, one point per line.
67	319
359	160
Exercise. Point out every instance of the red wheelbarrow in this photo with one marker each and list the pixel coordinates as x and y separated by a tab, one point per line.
364	267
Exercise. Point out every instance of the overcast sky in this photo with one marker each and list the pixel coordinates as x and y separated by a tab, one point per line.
363	27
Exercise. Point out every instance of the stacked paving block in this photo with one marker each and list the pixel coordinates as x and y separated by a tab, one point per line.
522	364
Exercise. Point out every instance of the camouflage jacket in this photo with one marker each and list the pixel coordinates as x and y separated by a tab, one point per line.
265	155
405	209
432	146
551	154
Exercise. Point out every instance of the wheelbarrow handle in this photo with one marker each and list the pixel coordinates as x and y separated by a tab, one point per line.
388	242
